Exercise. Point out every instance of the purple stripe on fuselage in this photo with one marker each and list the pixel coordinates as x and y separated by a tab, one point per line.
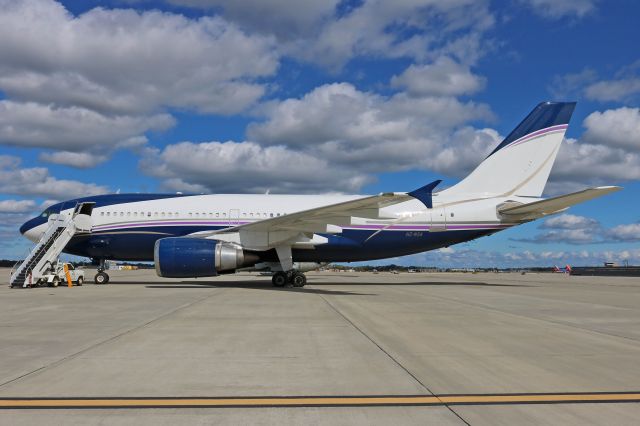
370	227
165	223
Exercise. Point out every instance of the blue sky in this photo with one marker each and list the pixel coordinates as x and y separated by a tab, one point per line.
316	97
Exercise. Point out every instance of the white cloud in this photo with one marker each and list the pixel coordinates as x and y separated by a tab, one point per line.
470	258
624	85
569	221
568	236
38	182
373	133
560	8
580	165
334	138
379	28
80	160
17	206
573	229
615	127
123	62
567	85
613	90
444	77
224	167
31	124
285	18
98	81
624	233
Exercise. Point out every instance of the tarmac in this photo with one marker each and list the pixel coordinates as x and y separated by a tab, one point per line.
349	348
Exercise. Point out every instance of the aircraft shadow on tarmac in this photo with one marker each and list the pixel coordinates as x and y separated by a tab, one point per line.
268	286
252	285
427	283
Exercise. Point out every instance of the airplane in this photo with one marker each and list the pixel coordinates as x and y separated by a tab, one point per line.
565	270
190	235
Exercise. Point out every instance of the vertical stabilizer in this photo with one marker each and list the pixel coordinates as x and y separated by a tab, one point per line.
521	164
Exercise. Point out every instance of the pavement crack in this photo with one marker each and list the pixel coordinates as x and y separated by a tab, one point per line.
392	358
110	339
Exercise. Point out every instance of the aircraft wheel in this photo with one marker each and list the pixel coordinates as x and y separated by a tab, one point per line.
298	279
279	279
101	278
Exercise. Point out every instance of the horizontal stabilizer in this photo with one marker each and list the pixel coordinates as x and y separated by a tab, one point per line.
425	193
556	204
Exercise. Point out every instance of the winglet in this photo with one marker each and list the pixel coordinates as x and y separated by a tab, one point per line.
424	194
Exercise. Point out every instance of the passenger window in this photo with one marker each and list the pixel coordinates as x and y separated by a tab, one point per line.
128	214
101	213
108	213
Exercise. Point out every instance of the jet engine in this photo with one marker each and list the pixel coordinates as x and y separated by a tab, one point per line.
184	257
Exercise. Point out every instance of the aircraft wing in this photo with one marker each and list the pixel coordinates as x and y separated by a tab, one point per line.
313	219
557	204
320	219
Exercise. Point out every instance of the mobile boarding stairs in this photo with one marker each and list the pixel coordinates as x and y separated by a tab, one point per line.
44	256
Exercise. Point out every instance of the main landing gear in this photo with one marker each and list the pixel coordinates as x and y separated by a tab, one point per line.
289	279
101	277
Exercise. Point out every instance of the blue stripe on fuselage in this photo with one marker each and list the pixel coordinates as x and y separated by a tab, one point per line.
136	244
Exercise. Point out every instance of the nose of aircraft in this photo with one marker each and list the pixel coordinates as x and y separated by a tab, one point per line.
31	228
24	228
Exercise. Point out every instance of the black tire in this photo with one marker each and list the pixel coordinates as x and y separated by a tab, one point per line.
101	278
56	282
80	281
298	279
279	279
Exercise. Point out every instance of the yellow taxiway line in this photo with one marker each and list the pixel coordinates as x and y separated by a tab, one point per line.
320	401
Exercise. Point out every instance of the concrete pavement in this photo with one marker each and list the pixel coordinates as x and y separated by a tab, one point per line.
344	334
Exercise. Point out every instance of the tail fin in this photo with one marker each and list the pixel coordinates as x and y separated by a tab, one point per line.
521	164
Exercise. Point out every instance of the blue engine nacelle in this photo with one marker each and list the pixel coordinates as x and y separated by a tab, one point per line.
183	257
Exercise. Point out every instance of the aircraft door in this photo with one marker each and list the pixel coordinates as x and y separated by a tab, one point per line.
82	216
438	219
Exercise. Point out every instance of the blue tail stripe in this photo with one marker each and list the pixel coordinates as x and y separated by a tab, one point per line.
545	115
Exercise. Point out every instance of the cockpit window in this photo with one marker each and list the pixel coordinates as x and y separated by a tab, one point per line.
46	213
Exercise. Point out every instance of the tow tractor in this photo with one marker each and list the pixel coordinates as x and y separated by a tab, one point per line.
58	274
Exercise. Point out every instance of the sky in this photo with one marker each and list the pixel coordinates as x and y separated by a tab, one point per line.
306	96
